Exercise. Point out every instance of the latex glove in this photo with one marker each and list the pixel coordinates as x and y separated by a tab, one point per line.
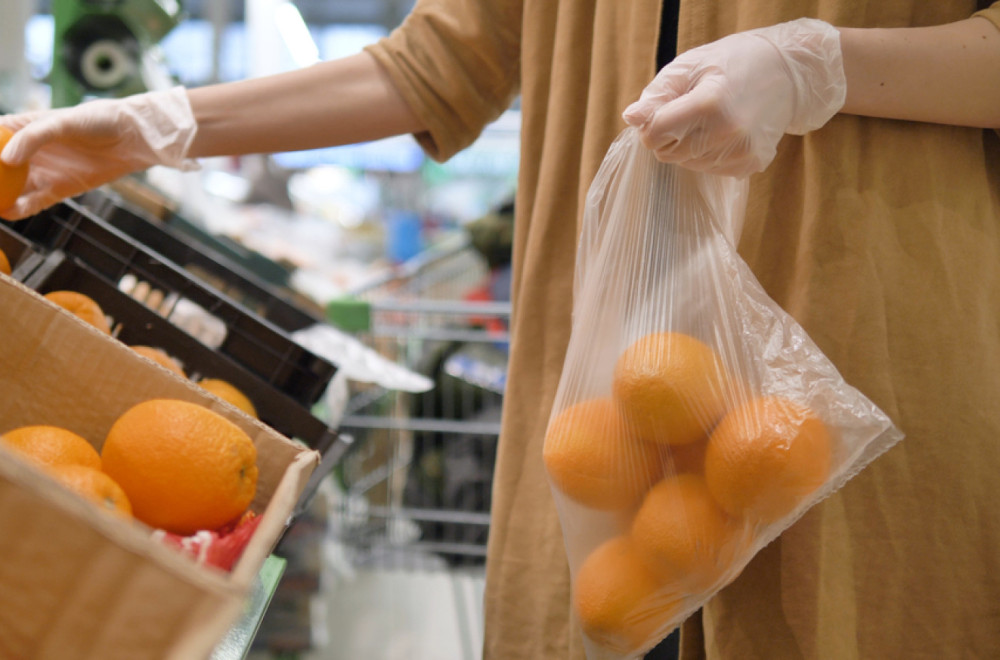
73	150
723	107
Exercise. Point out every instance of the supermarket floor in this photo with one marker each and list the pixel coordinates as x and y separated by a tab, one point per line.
397	614
393	614
387	601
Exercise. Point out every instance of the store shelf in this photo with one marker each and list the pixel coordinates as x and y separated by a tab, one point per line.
249	339
153	301
237	643
204	256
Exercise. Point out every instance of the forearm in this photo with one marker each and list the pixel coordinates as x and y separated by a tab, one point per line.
947	74
343	101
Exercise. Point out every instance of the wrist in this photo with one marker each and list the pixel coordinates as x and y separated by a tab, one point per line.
811	51
166	122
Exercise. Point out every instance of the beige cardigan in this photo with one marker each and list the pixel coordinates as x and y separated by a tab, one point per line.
881	237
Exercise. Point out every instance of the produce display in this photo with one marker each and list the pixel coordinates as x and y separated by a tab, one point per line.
178	467
175	466
111	465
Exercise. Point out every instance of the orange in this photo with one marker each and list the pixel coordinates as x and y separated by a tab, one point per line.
229	393
620	603
52	445
94	485
681	531
82	306
184	467
159	356
591	458
4	264
685	459
766	457
12	179
671	388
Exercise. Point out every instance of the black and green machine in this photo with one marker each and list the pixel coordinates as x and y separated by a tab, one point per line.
107	48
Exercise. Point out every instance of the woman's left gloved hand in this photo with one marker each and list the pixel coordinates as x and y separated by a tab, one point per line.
723	107
72	150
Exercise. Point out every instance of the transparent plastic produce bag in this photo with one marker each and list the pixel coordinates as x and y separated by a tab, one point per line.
694	420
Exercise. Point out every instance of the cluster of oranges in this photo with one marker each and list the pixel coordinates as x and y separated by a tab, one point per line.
171	464
87	309
694	463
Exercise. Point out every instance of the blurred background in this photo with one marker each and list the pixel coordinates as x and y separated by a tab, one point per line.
399	265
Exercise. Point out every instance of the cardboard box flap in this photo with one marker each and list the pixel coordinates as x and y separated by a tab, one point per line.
71	572
271	526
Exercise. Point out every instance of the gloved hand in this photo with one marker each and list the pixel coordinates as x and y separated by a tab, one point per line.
73	150
723	107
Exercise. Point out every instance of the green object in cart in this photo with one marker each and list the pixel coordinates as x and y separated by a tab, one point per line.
349	314
237	642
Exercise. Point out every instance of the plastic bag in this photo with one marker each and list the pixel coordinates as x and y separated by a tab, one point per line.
694	419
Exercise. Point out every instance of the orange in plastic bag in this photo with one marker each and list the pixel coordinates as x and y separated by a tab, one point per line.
591	456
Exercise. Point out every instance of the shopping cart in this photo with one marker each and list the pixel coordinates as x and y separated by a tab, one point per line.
415	483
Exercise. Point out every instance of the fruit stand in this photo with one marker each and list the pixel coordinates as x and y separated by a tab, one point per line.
90	246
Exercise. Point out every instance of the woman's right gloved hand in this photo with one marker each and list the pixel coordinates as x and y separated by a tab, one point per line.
73	150
723	107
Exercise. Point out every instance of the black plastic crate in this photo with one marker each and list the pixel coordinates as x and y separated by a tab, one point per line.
20	252
225	274
136	324
261	347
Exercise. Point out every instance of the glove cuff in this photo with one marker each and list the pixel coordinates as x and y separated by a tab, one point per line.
166	123
811	51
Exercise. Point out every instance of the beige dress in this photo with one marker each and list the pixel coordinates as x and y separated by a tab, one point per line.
881	237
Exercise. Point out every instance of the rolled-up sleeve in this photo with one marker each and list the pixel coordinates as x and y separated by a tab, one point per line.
457	64
991	13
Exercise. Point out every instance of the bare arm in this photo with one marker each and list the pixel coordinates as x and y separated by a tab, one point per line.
338	102
947	74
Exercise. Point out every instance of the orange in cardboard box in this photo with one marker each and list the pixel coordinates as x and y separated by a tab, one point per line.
4	264
93	485
82	306
12	179
52	445
229	393
161	357
184	467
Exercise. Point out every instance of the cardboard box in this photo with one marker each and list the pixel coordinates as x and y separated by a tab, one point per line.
76	582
